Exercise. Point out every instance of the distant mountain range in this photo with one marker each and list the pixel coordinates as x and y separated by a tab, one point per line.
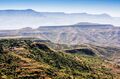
31	18
80	33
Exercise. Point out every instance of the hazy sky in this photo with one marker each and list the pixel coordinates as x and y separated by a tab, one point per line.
111	7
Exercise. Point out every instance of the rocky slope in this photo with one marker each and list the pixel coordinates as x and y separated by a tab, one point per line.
81	33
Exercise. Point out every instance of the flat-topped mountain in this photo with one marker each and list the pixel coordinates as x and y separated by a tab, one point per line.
87	23
81	25
92	25
27	12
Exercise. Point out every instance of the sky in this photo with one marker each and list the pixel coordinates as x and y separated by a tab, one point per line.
111	7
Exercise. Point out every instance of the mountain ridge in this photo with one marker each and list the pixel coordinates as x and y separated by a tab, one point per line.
31	10
100	34
31	18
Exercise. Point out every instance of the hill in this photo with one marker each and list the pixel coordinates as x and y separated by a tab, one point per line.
25	58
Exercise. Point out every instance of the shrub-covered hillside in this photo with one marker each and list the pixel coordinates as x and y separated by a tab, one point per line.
27	59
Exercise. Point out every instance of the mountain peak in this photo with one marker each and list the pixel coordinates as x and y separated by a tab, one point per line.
29	9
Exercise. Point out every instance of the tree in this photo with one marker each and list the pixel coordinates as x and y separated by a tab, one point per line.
1	49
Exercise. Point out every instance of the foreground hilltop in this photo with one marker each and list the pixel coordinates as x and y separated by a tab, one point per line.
23	58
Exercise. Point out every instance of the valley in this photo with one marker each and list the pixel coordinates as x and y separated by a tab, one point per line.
58	45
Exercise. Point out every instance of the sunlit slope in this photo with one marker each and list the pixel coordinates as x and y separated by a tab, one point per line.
20	58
